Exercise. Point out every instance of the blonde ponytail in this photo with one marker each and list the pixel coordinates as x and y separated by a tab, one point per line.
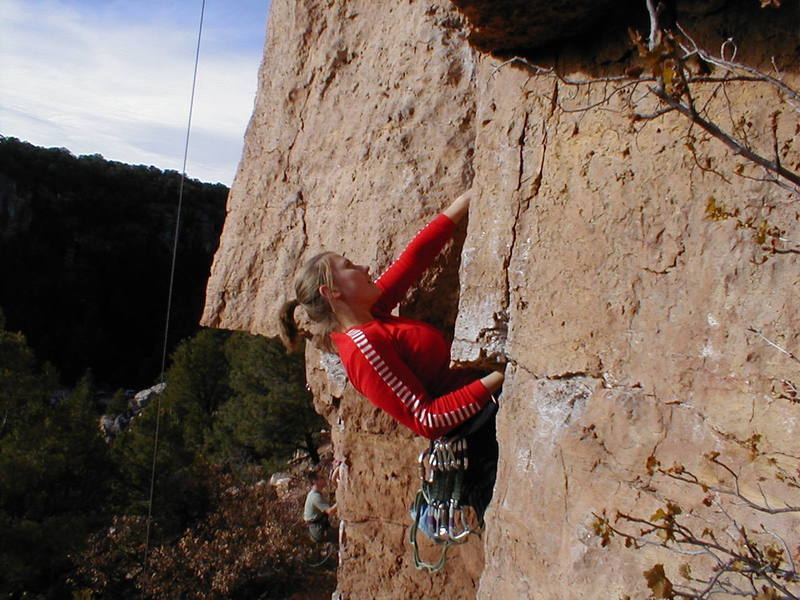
290	334
314	274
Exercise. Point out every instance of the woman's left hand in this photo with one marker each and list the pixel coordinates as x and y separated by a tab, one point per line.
460	206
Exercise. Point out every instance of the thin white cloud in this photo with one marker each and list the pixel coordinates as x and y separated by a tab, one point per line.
96	82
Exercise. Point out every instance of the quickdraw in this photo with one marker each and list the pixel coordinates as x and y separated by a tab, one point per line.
437	508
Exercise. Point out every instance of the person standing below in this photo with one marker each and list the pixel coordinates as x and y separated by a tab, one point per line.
316	511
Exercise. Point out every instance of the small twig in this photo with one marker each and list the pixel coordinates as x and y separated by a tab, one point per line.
729	107
774	123
773	344
705	168
763	496
730	65
713	581
734	66
735	475
785	547
653	115
726	531
778	586
775	66
722	47
755	506
537	69
746	501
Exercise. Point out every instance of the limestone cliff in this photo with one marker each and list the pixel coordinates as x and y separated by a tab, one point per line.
637	276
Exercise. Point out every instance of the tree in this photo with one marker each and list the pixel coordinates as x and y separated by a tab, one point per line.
23	388
230	399
676	75
723	553
197	385
118	403
166	444
55	471
104	234
270	414
178	496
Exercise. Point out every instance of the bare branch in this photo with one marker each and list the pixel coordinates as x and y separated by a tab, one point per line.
713	582
733	66
539	70
728	42
672	98
653	115
726	139
518	59
763	496
655	29
783	251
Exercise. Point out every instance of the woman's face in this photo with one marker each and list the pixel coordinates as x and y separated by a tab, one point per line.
353	281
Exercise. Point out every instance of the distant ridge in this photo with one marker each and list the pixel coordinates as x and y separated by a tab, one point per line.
87	245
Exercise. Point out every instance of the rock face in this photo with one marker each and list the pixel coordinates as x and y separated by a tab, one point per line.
637	277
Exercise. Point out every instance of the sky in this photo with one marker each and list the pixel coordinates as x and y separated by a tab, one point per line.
114	77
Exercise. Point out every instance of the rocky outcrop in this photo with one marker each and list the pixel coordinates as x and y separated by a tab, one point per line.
621	268
111	425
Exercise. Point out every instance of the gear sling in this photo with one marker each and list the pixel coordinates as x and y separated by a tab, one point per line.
456	471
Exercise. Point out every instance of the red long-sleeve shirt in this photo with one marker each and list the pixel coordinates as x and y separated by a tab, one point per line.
403	365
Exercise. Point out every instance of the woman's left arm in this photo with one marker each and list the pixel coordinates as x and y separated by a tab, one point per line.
419	254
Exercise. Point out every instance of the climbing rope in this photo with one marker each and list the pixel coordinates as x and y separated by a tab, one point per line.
171	285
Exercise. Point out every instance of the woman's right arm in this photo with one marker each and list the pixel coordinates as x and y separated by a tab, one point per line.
456	211
493	381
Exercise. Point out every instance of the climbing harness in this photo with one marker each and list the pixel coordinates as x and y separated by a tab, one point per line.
441	508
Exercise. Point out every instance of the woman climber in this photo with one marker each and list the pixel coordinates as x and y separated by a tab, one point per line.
401	365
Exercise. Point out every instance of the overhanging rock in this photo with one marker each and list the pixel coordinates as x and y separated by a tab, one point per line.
511	26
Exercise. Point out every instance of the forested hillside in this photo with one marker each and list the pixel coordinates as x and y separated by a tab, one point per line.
74	506
85	254
86	248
